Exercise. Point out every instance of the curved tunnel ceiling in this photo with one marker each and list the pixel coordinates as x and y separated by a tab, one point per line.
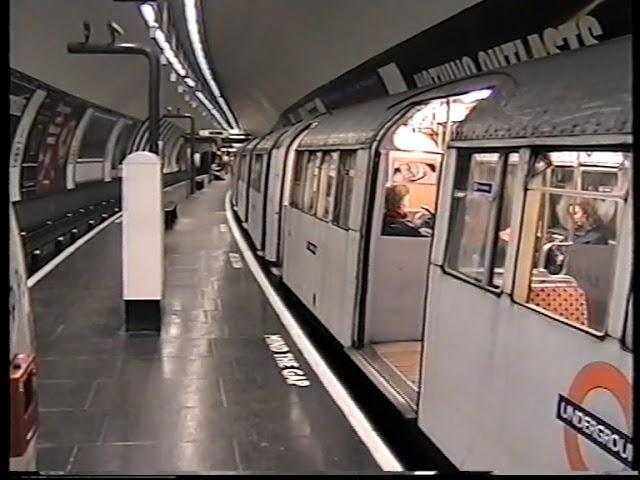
265	54
270	53
40	31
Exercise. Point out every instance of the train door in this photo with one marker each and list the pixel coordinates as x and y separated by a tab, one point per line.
280	171
256	199
236	169
243	182
404	212
539	328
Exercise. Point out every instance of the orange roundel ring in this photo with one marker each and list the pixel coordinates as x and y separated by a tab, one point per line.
595	375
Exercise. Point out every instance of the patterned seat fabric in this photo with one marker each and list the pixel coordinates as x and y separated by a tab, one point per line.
568	302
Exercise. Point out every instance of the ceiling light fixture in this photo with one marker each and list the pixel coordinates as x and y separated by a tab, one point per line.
191	15
211	109
149	14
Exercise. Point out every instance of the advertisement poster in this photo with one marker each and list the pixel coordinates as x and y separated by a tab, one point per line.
43	169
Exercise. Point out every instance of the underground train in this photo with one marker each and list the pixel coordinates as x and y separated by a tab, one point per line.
470	246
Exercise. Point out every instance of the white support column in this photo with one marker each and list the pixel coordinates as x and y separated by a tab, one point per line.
142	241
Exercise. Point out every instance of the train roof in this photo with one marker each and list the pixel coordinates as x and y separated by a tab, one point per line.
578	92
353	126
244	149
294	130
269	140
585	91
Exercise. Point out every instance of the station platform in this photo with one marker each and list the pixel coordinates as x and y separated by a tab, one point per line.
205	395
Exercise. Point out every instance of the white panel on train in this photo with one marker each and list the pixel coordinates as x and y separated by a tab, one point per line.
541	369
281	155
258	188
243	180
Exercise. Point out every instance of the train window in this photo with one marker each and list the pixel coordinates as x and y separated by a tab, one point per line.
344	188
237	166
598	181
563	177
481	216
256	173
567	251
244	171
410	196
504	224
326	195
311	182
297	185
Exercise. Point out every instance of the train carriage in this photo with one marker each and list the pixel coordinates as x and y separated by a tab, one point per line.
282	154
241	180
532	370
470	246
258	185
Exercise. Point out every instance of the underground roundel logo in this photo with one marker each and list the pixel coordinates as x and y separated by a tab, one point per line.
579	421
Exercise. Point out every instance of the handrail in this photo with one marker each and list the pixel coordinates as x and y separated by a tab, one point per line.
544	251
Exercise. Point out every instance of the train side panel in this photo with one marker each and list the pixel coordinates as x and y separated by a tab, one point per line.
281	158
493	373
256	205
320	262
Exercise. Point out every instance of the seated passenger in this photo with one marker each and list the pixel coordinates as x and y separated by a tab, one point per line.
396	220
585	217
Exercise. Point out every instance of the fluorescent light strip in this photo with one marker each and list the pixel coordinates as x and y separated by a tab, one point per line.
168	52
212	109
196	42
149	14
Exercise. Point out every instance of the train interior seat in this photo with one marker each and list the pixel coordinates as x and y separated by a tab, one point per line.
560	295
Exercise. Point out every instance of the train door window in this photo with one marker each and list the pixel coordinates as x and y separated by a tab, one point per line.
597	180
244	172
410	195
326	194
311	182
563	177
237	167
569	236
297	180
481	216
344	188
256	173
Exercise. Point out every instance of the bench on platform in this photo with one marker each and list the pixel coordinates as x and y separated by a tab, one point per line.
170	214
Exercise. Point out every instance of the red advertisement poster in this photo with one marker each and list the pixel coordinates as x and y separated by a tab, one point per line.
58	124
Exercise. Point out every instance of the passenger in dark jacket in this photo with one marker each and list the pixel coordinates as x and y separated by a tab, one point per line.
586	219
396	220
